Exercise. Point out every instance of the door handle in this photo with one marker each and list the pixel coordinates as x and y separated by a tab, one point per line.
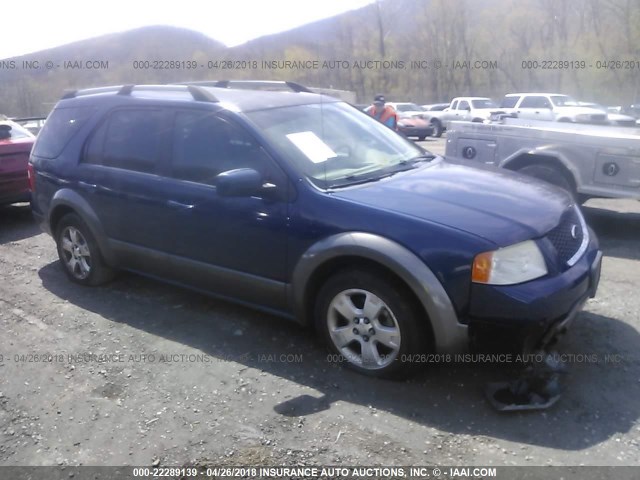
183	206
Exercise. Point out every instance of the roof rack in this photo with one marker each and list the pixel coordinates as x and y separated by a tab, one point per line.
199	94
251	84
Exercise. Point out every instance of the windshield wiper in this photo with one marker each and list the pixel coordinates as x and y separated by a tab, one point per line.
425	157
357	179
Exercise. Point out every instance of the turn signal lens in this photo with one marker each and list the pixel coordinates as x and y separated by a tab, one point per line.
31	175
481	272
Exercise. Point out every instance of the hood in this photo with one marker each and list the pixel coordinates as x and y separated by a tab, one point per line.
485	112
495	204
411	114
414	121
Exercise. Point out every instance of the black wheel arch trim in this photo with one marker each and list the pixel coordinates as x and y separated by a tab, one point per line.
449	334
75	202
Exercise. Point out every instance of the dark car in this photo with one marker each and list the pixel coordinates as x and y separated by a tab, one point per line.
15	146
300	205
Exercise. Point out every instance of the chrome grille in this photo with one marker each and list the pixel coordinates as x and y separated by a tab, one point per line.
570	237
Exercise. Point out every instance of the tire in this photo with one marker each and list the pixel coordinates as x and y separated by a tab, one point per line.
79	253
421	139
437	128
550	174
371	324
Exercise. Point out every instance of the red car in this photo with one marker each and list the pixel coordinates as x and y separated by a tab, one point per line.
15	146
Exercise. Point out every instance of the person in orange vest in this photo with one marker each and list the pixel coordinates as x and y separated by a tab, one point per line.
385	114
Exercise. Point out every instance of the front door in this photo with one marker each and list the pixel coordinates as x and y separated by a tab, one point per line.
235	246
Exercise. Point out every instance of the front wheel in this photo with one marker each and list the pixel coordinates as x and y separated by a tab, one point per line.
371	324
79	253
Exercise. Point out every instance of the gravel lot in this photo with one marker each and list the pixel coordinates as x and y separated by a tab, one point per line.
142	373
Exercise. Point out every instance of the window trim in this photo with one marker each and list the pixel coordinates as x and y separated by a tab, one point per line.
276	172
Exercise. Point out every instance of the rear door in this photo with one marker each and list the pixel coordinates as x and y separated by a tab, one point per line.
119	173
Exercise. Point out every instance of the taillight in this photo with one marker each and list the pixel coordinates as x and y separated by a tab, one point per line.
32	177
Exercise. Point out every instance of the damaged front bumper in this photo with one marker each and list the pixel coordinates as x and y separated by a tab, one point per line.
531	316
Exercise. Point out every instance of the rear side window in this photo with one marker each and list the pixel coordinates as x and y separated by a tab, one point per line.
60	127
129	139
509	102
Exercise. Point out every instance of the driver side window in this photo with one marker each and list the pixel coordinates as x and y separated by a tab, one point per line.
205	145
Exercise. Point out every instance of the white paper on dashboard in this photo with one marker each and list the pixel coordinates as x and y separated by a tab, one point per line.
312	146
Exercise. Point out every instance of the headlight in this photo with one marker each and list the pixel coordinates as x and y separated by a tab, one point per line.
513	264
402	124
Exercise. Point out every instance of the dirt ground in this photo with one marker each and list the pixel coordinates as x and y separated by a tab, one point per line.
141	373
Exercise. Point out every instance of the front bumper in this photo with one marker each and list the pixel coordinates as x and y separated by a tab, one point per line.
532	315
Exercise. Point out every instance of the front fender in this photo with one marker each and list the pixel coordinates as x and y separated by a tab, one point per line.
449	334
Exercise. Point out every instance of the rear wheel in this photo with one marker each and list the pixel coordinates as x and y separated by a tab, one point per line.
550	174
370	323
79	253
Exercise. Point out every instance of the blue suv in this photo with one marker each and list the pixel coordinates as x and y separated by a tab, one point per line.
301	205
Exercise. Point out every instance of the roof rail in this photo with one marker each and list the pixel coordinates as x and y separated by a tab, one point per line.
199	94
250	84
89	91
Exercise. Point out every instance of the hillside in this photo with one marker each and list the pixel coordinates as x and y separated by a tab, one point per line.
32	85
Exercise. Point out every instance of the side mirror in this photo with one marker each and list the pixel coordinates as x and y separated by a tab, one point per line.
241	182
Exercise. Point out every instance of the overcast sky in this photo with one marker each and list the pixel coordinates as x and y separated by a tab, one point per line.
39	24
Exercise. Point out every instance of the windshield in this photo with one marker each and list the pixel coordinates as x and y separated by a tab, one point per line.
408	107
563	101
336	145
484	103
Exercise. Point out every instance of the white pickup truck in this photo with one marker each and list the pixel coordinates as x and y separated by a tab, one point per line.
472	109
587	160
551	107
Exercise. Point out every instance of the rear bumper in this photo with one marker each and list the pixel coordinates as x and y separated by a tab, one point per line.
532	315
14	197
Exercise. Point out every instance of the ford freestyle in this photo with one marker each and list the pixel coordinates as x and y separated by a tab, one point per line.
301	205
